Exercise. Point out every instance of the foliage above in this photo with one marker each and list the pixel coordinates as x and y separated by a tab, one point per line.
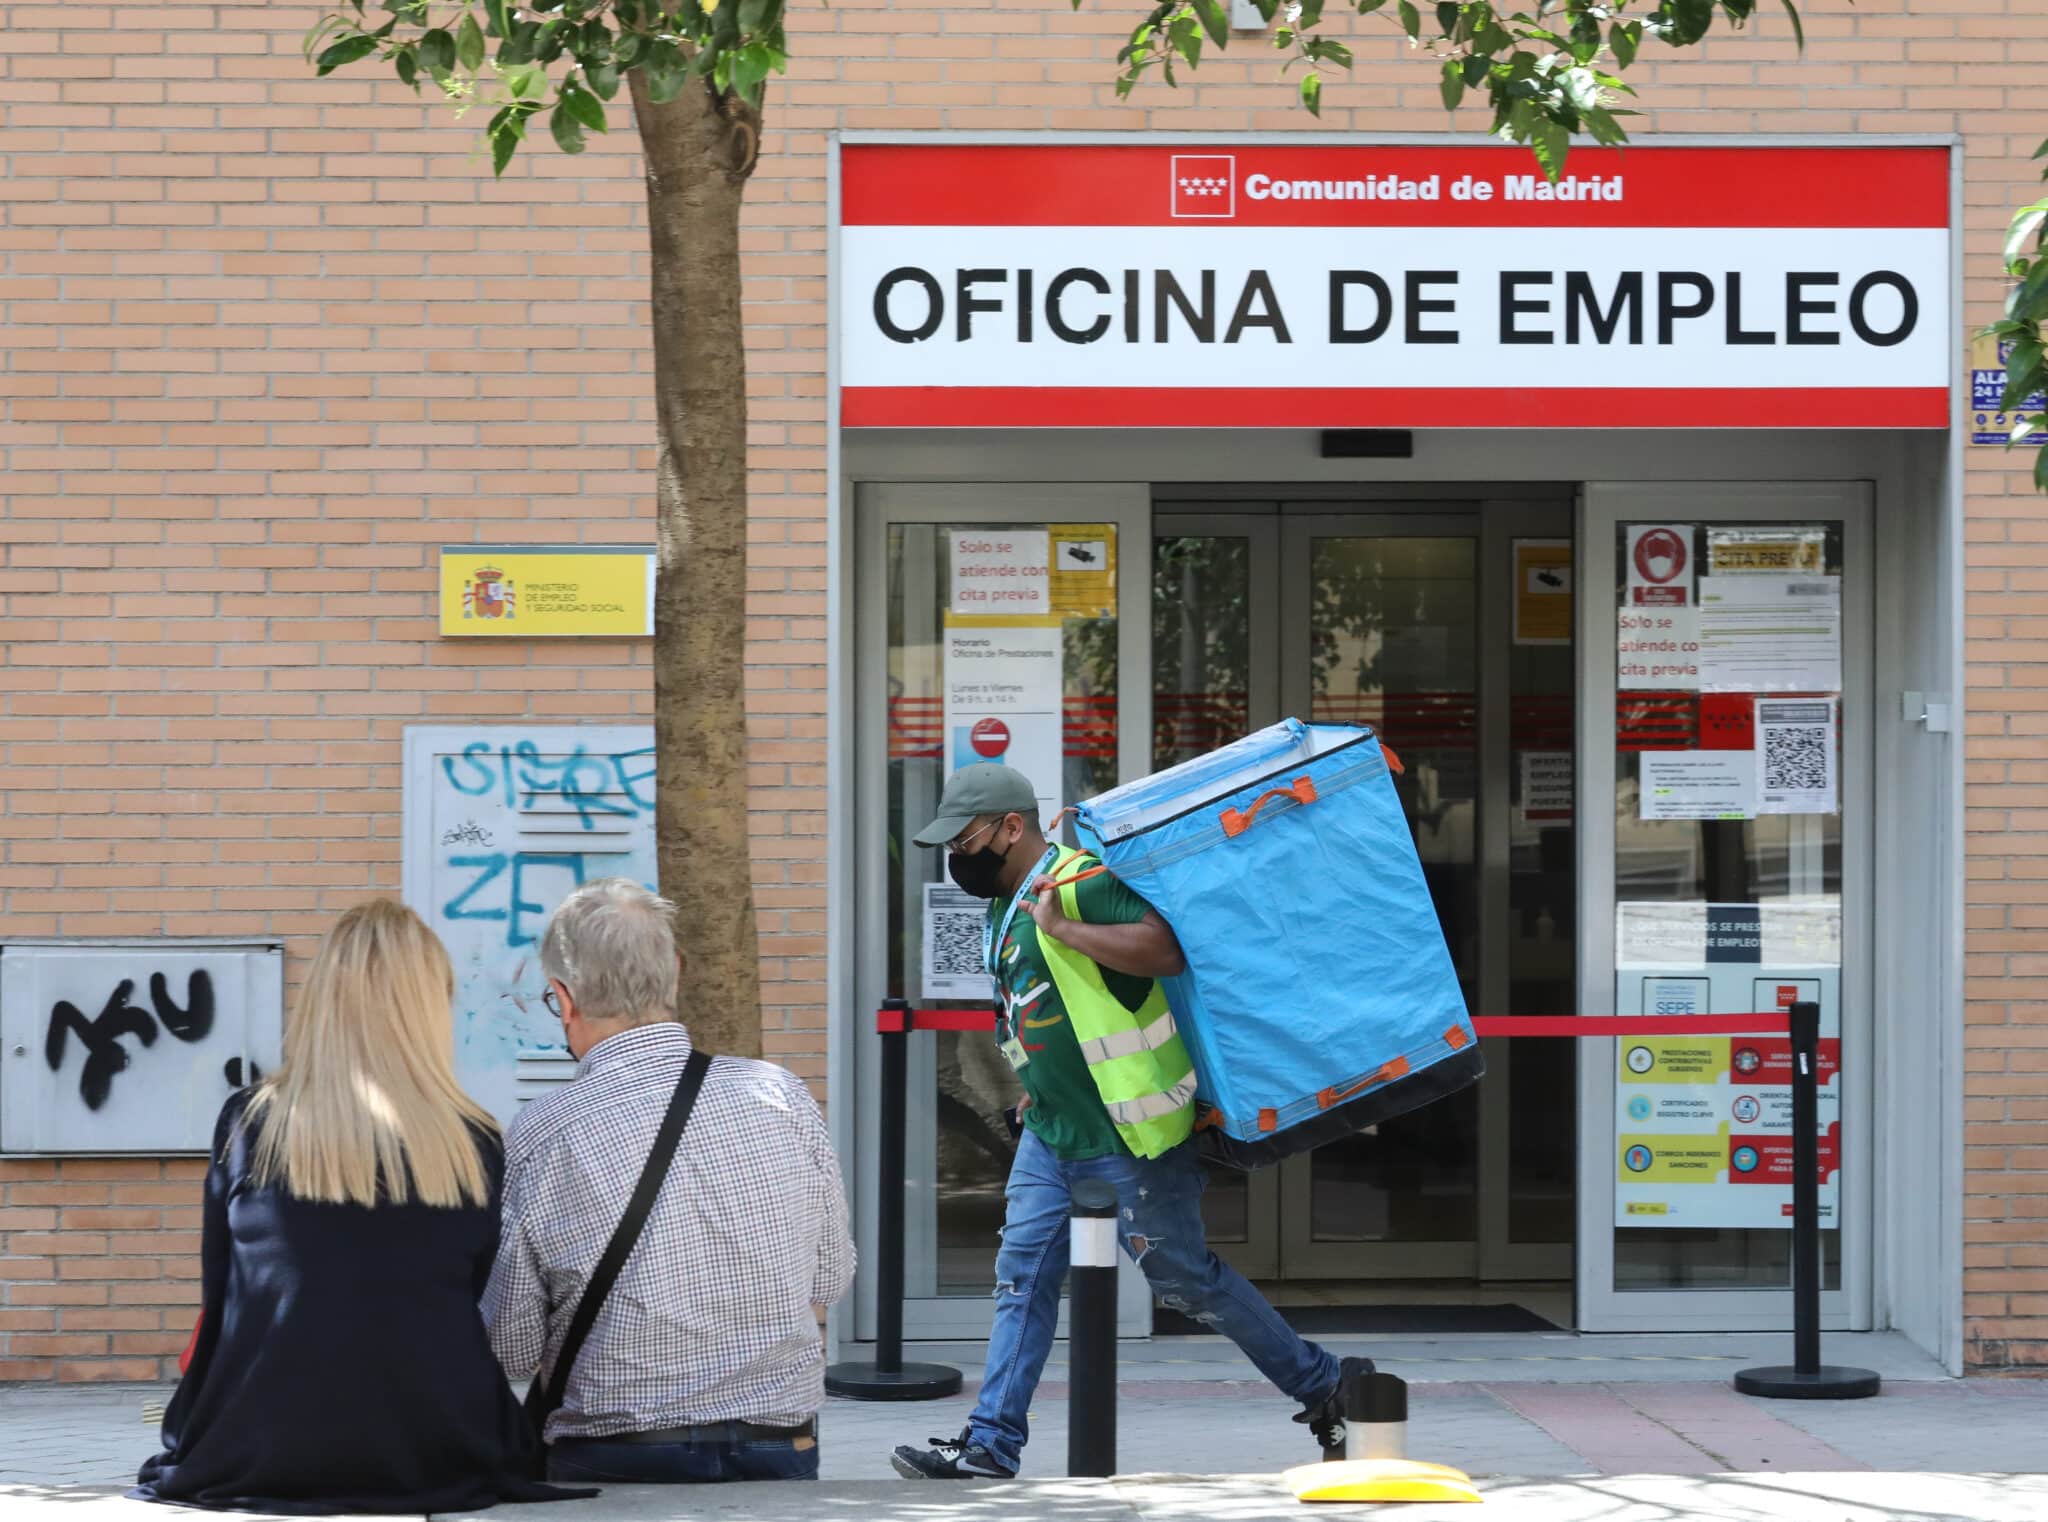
1549	68
565	58
2026	370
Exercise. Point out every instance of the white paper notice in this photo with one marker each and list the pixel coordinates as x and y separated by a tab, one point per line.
1657	649
1698	784
953	922
1004	572
1659	565
1763	633
1546	786
1795	748
1004	688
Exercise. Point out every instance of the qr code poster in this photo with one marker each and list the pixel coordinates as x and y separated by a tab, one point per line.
952	944
1796	755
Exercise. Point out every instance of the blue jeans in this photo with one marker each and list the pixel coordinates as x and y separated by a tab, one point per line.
597	1460
1160	1224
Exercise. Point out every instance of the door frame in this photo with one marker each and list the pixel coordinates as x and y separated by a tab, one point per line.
928	1315
1603	508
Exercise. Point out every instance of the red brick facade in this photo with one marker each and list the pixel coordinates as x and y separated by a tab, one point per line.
271	339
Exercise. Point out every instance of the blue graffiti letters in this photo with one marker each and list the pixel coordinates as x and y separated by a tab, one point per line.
594	789
520	915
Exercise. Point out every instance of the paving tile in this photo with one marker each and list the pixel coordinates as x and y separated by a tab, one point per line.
1612	1436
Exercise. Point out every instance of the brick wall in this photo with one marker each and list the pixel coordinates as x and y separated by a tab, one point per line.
270	339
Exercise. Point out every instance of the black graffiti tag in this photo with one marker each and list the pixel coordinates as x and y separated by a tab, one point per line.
101	1037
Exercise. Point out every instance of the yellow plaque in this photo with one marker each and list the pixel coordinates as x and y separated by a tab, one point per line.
1084	570
540	591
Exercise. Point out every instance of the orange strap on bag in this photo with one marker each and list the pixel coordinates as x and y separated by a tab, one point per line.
1235	822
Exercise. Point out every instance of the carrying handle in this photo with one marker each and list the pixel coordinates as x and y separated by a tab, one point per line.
1053	829
1302	790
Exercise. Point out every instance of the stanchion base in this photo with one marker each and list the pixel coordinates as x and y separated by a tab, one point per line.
914	1381
1784	1382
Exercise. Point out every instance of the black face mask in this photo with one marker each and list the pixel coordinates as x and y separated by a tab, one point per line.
980	874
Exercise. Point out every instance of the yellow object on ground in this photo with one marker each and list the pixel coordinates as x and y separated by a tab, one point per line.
1379	1480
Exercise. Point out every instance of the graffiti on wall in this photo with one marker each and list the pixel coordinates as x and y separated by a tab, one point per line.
515	820
131	1046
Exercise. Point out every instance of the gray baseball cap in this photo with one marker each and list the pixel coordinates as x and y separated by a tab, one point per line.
975	791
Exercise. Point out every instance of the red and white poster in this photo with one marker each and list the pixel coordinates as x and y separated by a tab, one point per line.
1302	286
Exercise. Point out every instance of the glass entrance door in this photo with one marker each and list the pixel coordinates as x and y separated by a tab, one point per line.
1726	861
1411	622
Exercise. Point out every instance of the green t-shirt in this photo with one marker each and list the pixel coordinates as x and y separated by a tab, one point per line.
1066	1110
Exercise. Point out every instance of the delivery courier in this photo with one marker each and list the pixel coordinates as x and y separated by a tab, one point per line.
1076	958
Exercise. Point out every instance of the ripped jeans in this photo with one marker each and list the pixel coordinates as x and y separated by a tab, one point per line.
1160	1224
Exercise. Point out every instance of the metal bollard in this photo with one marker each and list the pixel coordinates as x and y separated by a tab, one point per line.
1091	1331
1375	1418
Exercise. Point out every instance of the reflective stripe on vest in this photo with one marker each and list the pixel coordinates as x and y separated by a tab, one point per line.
1133	1112
1141	1069
1144	1038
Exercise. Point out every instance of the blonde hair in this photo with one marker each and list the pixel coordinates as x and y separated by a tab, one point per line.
365	1108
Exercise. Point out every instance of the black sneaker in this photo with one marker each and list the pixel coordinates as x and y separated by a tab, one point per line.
949	1458
1326	1417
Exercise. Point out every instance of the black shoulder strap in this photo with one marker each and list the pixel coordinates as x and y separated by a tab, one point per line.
623	1239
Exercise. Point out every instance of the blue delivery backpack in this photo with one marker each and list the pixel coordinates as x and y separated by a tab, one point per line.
1319	997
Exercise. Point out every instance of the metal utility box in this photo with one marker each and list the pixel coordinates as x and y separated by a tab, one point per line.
131	1045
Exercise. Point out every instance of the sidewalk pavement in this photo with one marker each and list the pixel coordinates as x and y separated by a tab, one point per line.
1562	1429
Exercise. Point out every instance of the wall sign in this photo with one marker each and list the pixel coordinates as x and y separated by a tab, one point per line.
1287	285
535	591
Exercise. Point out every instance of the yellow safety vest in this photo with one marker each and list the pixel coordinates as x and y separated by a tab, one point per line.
1140	1067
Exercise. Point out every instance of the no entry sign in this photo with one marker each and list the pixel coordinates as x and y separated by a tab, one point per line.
1158	285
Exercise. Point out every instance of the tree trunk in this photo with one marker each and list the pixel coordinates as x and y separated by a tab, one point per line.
699	152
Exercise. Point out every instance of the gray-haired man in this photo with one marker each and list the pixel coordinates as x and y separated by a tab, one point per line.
706	1361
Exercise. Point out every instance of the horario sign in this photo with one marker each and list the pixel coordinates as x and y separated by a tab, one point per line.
1160	285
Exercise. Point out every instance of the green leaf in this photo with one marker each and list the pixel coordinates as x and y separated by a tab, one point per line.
1453	86
1330	50
469	43
2024	427
630	48
603	80
1602	127
1798	26
498	16
2025	299
506	131
1311	14
1411	20
1476	69
757	15
1552	143
1312	93
1623	40
568	133
1214	22
437	51
2024	233
2041	469
346	51
1685	22
407	67
1447	16
585	107
1186	37
526	80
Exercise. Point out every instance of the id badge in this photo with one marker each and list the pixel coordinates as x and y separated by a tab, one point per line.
1014	1053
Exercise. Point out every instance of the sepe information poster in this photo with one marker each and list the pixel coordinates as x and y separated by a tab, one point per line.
1703	1124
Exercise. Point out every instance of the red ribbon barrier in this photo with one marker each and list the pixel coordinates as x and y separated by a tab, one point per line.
1756	1023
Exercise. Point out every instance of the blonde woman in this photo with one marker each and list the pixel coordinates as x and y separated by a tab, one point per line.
351	1217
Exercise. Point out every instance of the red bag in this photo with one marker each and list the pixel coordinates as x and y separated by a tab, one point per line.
185	1358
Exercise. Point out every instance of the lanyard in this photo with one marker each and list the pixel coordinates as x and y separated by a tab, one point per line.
994	938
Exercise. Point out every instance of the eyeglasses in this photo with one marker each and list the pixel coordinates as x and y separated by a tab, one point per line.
553	1001
959	847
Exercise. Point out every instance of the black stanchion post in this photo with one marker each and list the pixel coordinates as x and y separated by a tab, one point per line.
1807	1378
1091	1331
888	1377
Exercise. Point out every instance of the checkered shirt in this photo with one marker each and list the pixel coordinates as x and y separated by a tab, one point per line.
710	1320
